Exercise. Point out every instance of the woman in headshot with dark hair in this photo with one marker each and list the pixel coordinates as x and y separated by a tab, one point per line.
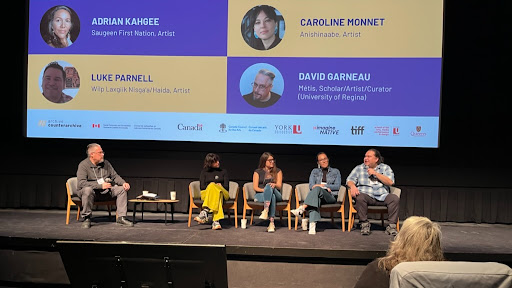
214	185
59	25
263	20
267	183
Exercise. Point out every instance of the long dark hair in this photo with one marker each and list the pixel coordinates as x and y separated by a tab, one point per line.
269	11
52	38
210	159
263	160
378	155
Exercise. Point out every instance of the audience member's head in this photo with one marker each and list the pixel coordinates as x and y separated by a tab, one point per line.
419	239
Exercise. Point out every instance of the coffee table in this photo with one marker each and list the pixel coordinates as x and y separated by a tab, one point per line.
157	201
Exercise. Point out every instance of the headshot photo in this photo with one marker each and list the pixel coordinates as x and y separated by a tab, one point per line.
261	85
59	82
263	27
60	26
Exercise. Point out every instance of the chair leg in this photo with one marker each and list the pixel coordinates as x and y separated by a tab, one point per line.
78	213
189	215
343	221
236	217
289	220
332	218
382	219
67	214
252	215
296	222
109	212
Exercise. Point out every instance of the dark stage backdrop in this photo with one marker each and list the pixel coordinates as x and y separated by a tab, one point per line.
465	180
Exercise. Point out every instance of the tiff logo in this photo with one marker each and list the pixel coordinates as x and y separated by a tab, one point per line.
357	130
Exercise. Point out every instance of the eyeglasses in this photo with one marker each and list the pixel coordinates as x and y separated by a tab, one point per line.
323	159
271	160
260	87
99	152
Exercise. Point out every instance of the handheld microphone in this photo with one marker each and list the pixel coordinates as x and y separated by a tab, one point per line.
372	177
108	180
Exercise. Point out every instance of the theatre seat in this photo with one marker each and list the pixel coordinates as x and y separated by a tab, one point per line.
196	202
74	200
455	274
250	204
301	192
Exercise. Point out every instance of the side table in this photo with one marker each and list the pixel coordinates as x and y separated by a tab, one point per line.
143	201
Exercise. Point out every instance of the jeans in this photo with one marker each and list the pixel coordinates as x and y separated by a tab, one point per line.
269	194
316	197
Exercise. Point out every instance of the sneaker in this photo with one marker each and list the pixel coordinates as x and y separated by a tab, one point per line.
312	228
271	228
264	215
391	230
216	225
87	223
304	224
365	228
298	212
202	218
124	221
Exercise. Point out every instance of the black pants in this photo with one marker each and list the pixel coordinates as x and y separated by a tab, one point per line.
391	201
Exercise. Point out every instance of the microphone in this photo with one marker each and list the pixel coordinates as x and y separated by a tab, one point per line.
108	180
372	177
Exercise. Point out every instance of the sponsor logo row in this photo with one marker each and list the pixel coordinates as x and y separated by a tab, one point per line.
292	129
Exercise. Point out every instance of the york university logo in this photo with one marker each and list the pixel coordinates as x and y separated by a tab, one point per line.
288	129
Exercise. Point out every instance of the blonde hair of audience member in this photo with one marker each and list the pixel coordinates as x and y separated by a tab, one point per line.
419	239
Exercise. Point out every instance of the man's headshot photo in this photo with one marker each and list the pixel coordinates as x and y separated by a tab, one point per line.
59	82
262	92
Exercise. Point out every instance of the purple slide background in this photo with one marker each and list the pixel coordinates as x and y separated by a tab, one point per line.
415	82
200	27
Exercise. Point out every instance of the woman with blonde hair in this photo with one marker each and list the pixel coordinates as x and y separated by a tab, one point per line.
419	239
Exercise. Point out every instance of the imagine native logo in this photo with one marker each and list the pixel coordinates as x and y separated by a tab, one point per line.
327	130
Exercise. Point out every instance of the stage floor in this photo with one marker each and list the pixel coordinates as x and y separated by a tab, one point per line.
461	241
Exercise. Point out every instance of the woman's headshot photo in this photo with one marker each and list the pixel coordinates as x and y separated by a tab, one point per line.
60	27
263	27
261	85
59	82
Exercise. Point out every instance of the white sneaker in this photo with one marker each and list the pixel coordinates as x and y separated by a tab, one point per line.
312	228
298	212
271	228
264	215
304	225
